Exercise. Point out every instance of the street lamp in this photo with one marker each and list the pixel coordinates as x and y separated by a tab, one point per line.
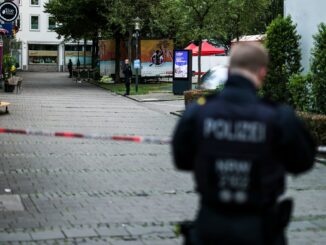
137	61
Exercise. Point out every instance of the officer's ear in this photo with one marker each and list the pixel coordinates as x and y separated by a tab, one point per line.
262	73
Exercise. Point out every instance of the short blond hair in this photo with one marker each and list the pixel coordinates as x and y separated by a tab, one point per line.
250	57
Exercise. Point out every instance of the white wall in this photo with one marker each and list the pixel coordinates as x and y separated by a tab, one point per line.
43	35
208	62
308	14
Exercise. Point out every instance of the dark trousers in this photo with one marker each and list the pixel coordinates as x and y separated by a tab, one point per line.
214	227
70	72
127	84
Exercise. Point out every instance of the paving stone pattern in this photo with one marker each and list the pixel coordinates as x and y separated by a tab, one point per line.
77	191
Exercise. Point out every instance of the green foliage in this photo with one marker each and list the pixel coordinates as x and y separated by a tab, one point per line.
283	44
193	95
299	88
221	20
316	125
318	69
8	62
78	19
275	9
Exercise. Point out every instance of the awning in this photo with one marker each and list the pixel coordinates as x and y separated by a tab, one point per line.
208	49
191	46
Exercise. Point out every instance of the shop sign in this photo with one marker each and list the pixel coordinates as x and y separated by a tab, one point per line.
137	64
75	53
43	53
8	11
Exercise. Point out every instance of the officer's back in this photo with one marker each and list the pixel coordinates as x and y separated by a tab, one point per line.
239	148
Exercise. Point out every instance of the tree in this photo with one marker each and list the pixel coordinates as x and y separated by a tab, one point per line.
168	21
318	69
120	19
79	19
236	18
199	23
275	9
283	44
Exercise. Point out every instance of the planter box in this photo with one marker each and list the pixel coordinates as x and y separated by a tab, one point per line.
9	88
193	95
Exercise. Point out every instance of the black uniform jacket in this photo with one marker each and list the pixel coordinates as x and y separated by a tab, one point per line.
240	147
127	71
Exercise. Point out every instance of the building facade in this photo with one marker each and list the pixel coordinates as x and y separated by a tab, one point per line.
307	15
41	49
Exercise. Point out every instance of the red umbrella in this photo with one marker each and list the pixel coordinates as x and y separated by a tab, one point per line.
191	46
208	49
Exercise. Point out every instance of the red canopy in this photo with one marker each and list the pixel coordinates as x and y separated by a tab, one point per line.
191	46
207	49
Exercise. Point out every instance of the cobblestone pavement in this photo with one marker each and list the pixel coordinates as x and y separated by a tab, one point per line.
76	191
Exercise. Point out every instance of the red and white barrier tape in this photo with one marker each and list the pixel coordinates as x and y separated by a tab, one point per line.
137	139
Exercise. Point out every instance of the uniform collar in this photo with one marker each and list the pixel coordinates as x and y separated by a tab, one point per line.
239	89
241	82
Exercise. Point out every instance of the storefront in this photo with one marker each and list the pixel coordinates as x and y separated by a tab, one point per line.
43	57
75	52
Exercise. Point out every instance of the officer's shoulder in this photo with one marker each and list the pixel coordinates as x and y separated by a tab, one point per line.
195	106
283	108
206	98
269	103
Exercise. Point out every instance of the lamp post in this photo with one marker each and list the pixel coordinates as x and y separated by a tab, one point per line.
137	61
78	62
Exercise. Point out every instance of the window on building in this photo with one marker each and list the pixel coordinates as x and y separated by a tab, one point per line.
18	22
43	54
52	23
49	47
35	2
35	22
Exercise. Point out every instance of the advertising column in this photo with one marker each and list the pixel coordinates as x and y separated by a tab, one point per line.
182	71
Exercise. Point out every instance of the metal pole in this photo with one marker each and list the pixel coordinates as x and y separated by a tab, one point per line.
78	54
137	36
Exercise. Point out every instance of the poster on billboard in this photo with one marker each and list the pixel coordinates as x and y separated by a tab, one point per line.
181	64
107	56
156	57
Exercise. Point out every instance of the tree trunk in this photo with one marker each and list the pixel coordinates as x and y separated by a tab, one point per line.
199	62
130	46
95	50
117	57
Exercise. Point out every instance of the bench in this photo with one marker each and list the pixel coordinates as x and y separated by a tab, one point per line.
16	81
5	104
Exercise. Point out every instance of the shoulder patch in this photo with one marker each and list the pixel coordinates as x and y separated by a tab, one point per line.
201	101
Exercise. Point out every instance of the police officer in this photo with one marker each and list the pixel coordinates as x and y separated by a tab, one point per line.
128	74
240	148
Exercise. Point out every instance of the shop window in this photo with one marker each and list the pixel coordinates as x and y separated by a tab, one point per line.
52	23
43	47
35	22
18	22
35	2
43	54
42	60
